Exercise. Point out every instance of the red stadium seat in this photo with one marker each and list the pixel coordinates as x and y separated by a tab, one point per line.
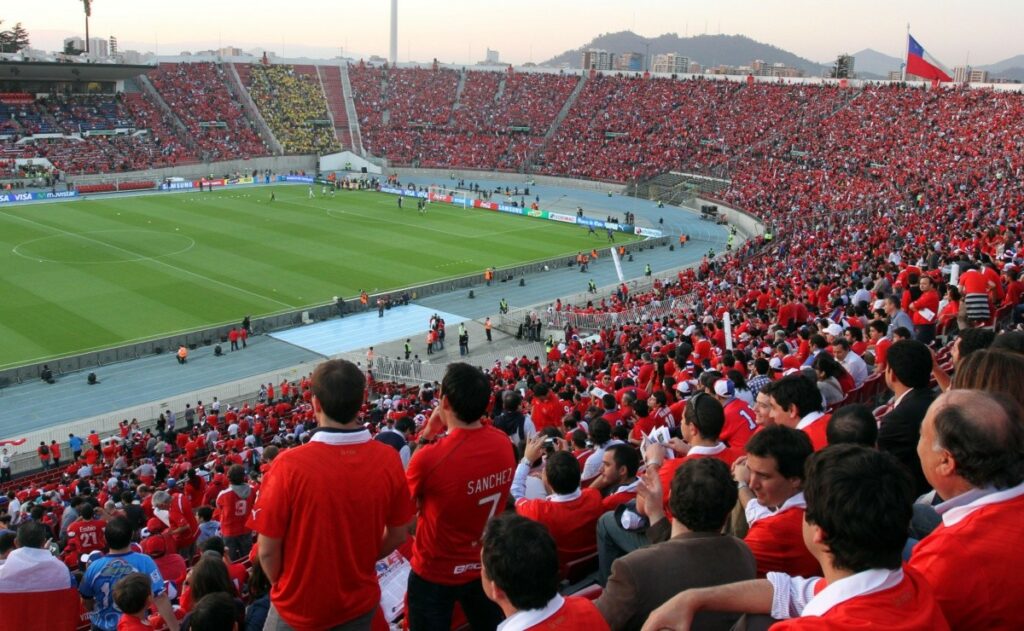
42	610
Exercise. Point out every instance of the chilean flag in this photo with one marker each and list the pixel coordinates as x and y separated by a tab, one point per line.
921	64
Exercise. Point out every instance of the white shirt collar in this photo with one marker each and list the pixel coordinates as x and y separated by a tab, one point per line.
860	584
568	497
522	620
806	421
756	510
628	488
700	450
336	438
953	516
963	499
900	398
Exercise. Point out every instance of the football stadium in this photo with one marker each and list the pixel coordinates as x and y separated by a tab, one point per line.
621	340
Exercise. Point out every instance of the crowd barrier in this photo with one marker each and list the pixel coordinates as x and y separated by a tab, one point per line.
413	372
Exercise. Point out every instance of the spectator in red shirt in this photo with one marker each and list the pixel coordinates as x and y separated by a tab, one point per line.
349	479
55	452
85	535
924	311
466	473
44	455
233	507
796	402
971	450
519	561
570	513
770	480
856	524
184	526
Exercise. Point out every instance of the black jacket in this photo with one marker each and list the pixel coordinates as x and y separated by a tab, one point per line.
901	429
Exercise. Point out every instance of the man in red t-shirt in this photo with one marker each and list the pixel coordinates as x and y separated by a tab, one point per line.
184	526
233	507
520	574
971	450
85	535
924	310
702	424
796	402
770	480
739	418
459	483
546	410
858	514
570	513
341	477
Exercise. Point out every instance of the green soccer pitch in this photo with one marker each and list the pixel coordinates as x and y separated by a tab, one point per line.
89	274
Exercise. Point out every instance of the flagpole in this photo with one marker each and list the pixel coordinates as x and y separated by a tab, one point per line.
906	55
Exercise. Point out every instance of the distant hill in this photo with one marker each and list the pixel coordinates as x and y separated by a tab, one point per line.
871	62
1012	68
707	50
1006	65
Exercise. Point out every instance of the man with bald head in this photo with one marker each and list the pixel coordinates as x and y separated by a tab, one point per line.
972	454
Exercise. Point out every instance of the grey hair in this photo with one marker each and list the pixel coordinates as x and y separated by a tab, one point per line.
161	497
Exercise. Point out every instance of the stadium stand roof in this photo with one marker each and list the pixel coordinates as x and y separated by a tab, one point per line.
55	71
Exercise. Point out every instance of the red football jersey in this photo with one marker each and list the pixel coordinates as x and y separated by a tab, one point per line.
337	478
909	606
87	536
816	432
467	474
572	524
739	424
233	511
974	566
668	469
777	542
576	614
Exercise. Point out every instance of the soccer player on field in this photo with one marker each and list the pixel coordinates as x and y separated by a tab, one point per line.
458	483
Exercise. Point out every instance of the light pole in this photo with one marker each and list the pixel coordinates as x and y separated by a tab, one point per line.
87	5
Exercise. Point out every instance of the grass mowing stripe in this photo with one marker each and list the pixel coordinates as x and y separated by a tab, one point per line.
159	262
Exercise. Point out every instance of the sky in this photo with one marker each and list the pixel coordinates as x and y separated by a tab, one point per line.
459	31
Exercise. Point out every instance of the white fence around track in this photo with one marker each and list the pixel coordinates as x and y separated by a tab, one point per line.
419	372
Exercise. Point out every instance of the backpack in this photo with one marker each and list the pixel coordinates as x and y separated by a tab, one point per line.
511	423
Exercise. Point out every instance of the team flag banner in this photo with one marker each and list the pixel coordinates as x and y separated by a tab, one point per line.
921	64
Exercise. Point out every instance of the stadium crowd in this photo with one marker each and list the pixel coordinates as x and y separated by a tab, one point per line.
293	105
121	150
198	95
853	456
497	120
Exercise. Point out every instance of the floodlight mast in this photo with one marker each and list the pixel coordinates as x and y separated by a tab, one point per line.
87	5
394	32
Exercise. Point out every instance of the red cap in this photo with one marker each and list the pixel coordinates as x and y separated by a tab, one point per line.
155	546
